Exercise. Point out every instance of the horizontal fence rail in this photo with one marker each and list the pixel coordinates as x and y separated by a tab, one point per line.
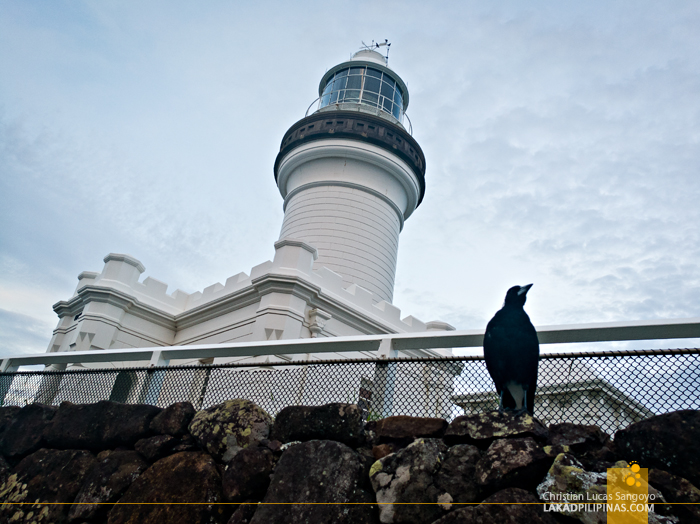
386	346
610	389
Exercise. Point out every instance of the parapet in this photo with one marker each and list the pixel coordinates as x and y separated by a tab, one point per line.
122	272
293	259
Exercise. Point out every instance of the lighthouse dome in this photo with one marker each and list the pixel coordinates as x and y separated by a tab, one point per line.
370	55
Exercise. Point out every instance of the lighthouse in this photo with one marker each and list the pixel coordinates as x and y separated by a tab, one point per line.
351	174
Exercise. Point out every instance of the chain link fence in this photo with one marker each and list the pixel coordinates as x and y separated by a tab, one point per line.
610	389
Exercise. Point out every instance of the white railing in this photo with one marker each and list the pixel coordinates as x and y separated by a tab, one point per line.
385	346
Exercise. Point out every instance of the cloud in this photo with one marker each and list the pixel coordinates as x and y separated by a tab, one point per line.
573	165
561	145
21	334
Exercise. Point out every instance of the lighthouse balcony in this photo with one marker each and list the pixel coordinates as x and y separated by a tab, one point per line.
364	108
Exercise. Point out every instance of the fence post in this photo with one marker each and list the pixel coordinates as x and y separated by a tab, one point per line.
6	380
154	379
384	379
200	382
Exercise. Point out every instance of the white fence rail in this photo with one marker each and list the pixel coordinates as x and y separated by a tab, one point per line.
384	345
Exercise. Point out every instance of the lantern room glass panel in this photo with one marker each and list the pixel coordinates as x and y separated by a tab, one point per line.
367	86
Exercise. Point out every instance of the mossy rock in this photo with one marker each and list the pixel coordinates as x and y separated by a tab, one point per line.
229	427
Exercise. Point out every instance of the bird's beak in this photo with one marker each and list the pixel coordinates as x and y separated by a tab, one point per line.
524	289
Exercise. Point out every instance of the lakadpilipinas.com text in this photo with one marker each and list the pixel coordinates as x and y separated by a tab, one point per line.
577	502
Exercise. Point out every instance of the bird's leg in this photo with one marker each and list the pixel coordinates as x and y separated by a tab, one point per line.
524	408
500	403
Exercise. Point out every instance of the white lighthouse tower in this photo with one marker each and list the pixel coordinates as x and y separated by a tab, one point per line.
351	174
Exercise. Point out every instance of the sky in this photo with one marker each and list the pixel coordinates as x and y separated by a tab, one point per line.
561	139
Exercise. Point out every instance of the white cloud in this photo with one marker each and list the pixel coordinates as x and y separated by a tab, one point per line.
561	143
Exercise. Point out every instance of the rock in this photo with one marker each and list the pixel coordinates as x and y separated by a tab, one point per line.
23	434
494	510
600	459
367	458
677	489
173	420
339	422
553	451
366	511
108	479
408	476
247	475
401	427
371	438
457	473
7	413
667	442
382	450
186	443
155	448
512	463
316	471
579	438
655	518
274	445
230	426
182	477
482	429
46	476
244	513
592	447
567	481
4	470
99	426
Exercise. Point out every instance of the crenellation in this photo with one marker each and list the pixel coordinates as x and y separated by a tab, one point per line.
210	291
295	255
179	298
85	278
193	299
121	272
260	270
331	281
415	324
122	268
292	257
360	296
391	312
236	281
155	288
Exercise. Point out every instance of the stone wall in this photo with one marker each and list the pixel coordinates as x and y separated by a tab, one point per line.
119	463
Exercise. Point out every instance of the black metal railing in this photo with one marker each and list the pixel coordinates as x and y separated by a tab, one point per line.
610	389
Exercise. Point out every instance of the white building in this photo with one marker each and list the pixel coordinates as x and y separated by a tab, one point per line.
580	394
350	175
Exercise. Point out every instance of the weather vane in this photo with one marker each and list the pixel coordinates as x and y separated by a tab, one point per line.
376	46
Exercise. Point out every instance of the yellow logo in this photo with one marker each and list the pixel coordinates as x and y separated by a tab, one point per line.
628	501
633	476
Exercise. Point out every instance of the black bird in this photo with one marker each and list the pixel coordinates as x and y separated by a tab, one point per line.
512	353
